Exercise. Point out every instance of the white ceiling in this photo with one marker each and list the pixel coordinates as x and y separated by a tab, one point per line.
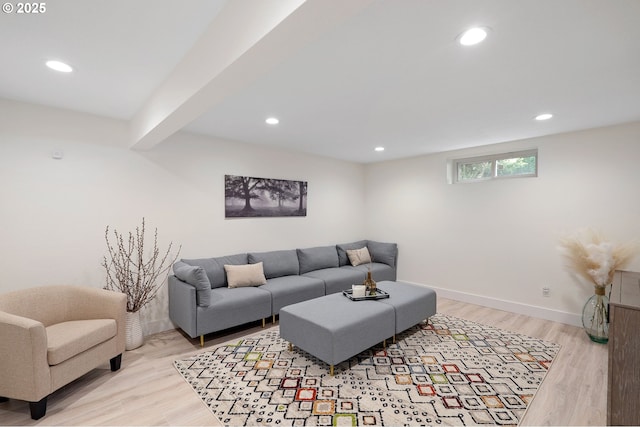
343	76
121	51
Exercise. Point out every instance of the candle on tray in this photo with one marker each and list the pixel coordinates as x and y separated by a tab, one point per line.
358	291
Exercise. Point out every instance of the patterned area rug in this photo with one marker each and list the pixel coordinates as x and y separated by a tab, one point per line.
448	371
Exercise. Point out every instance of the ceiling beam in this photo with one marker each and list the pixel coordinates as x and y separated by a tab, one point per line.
244	41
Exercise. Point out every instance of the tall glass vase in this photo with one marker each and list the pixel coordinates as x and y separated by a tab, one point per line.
595	316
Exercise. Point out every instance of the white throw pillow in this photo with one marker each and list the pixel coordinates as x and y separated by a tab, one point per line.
359	256
245	275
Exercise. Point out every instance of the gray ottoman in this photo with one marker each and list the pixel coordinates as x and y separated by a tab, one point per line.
412	303
333	328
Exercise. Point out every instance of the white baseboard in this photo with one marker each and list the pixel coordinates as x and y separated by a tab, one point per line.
511	306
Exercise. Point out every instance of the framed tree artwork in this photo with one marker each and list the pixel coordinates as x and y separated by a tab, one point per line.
247	196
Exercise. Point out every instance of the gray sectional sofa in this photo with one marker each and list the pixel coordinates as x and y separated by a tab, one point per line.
201	302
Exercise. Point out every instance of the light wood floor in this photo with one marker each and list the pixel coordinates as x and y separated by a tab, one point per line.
149	391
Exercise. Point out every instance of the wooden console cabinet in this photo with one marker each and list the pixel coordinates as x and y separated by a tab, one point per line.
623	393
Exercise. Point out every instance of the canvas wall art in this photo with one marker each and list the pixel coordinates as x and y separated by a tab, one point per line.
247	196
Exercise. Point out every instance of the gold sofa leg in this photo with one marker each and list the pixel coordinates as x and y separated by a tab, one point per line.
201	340
263	322
331	370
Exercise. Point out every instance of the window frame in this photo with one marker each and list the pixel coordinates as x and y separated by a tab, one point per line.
493	159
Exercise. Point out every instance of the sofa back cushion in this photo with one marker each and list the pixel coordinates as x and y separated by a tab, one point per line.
214	267
196	277
277	263
385	253
317	258
342	248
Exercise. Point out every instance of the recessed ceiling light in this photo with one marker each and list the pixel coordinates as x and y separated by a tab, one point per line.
473	36
379	148
272	121
545	116
59	66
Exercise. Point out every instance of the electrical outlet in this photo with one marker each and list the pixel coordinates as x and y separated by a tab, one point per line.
546	292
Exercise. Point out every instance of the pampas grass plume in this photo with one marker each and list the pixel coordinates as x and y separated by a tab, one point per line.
594	259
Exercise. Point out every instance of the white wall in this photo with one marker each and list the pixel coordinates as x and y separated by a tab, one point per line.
496	243
493	243
54	212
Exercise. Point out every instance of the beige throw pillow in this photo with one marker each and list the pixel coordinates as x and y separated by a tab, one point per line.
359	256
245	275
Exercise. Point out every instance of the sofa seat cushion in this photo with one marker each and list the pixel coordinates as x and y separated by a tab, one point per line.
287	290
231	307
67	339
379	271
338	279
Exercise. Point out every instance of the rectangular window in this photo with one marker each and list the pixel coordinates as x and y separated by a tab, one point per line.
497	166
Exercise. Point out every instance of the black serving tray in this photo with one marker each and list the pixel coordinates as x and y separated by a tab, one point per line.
380	294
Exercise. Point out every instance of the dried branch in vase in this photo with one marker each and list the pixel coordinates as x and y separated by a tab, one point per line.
130	273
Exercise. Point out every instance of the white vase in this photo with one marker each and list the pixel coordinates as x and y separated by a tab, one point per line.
134	337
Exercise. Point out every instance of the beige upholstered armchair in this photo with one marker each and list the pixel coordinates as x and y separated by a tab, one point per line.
51	335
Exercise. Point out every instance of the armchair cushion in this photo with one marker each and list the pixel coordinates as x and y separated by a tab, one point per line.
67	339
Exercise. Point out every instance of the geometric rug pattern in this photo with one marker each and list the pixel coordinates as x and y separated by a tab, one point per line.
448	371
